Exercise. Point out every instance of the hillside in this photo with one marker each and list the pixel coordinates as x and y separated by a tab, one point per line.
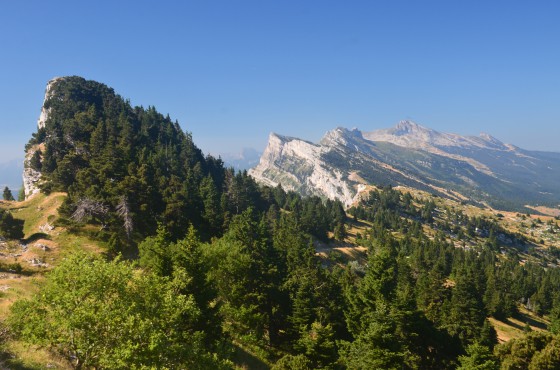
47	241
136	251
481	169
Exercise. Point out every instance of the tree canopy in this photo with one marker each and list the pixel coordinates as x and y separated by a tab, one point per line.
102	314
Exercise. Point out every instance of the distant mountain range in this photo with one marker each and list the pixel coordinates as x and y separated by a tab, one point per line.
477	169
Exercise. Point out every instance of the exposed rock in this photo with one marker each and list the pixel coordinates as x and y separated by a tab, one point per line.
43	247
32	177
46	228
48	95
298	165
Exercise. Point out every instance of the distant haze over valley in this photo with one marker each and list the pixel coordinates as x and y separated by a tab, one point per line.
244	160
10	174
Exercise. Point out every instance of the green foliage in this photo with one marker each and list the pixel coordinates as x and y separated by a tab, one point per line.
548	358
389	330
249	286
21	194
531	351
155	253
318	345
376	347
107	315
478	357
10	227
555	318
183	263
291	362
8	194
466	313
35	161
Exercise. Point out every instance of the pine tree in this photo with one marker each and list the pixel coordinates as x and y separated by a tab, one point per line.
318	344
190	276
8	194
479	357
466	315
10	227
21	194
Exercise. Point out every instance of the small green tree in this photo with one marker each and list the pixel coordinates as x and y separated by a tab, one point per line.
377	347
339	232
555	317
10	227
478	357
8	194
35	161
291	362
21	194
318	345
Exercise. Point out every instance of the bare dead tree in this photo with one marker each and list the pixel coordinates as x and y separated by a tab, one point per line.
123	210
87	207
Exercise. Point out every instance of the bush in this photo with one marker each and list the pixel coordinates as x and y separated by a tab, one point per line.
10	228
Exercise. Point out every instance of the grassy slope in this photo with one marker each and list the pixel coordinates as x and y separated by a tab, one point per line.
41	249
515	327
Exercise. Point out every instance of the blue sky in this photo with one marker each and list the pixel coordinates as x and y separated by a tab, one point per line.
233	71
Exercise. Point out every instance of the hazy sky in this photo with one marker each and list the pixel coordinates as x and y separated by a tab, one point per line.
232	71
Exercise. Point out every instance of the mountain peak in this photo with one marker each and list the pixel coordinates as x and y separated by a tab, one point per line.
408	134
407	127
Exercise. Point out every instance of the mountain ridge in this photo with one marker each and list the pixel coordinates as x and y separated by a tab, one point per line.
481	168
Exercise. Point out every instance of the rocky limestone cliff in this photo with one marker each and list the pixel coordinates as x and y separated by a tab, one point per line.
298	165
32	177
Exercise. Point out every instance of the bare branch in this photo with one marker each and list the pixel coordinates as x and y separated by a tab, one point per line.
123	210
86	207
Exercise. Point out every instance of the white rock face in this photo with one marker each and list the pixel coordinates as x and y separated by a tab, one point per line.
297	165
31	177
48	94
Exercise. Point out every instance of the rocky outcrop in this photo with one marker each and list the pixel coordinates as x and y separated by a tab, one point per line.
299	166
31	176
48	95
